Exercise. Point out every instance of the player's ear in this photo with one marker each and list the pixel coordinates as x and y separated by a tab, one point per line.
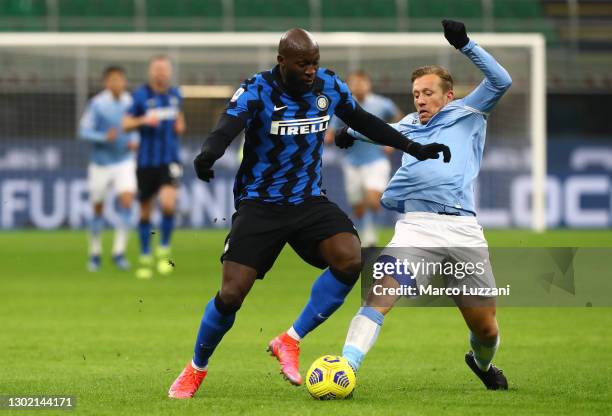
280	59
450	95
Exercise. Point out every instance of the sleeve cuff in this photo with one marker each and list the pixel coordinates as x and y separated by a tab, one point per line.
469	46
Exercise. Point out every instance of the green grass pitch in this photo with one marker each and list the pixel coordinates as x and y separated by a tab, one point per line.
117	343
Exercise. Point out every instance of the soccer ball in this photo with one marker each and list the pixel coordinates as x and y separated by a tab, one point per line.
330	377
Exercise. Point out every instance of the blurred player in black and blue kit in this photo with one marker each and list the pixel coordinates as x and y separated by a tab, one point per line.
157	113
279	199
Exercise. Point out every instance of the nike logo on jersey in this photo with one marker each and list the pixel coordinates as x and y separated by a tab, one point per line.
300	126
279	108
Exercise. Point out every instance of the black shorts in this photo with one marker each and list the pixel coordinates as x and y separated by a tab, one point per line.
260	231
151	179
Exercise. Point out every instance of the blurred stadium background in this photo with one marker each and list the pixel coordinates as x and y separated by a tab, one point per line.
44	87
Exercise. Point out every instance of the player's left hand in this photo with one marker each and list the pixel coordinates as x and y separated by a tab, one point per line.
343	139
429	151
203	166
179	126
455	33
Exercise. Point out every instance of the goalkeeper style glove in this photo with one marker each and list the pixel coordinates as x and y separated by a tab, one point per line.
429	151
344	140
203	166
418	151
455	33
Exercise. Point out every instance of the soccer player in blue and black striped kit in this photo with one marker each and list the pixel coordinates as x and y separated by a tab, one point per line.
157	114
285	112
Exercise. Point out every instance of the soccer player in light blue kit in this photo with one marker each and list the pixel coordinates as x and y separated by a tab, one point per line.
366	166
112	164
438	200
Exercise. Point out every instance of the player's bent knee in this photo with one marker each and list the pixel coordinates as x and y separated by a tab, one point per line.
167	208
347	261
487	332
349	268
126	200
348	275
228	302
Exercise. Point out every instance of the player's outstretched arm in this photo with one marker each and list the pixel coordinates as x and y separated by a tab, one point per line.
215	145
131	122
381	133
87	128
497	80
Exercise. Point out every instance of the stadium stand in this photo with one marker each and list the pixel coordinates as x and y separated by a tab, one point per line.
208	15
575	30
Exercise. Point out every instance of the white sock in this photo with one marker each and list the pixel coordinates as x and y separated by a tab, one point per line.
291	332
198	368
362	335
369	236
120	241
95	244
483	354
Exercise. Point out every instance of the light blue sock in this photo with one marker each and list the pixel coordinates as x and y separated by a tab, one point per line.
96	224
362	335
483	352
326	296
125	217
378	218
367	220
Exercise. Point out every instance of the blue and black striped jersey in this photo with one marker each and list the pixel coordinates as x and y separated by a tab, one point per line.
158	145
284	135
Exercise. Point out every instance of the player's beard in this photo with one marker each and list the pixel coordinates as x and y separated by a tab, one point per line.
295	85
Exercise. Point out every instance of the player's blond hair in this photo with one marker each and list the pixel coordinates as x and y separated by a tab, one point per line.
446	79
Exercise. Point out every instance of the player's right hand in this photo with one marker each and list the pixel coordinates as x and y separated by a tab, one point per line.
150	121
203	166
344	140
429	151
112	134
132	146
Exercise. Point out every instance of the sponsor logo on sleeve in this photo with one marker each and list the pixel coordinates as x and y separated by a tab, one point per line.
237	94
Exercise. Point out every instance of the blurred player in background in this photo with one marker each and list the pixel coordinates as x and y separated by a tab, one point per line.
111	164
367	167
157	114
285	112
438	203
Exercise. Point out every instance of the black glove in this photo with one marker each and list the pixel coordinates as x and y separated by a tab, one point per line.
203	166
455	33
429	151
343	139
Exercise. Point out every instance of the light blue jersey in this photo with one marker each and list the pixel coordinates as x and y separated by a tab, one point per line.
432	186
361	152
103	113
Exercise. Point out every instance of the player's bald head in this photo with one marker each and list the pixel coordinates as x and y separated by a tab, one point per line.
298	60
295	41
